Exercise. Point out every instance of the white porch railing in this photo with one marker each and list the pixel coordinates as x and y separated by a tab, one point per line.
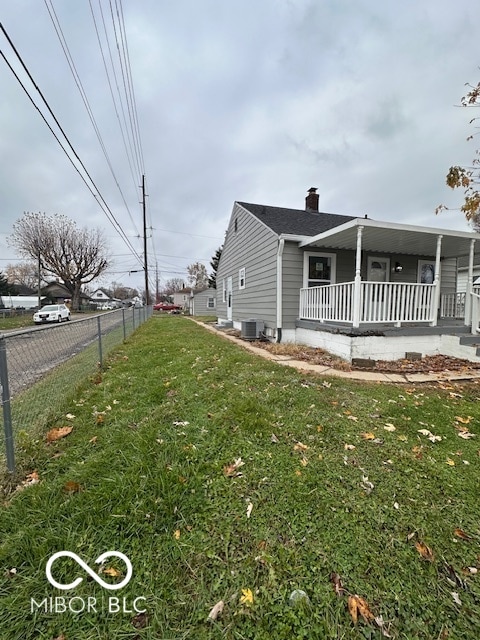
475	312
380	302
452	305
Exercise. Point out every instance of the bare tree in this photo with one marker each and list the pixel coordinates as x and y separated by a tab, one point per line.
197	275
23	274
76	256
173	285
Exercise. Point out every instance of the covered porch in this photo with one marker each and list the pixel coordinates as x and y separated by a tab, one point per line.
362	303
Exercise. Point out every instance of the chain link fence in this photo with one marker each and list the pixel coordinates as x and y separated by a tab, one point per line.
41	367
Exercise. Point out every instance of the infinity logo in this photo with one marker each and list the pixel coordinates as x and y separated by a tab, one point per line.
84	565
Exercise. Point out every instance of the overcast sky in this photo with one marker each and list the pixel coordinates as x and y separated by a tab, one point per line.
253	100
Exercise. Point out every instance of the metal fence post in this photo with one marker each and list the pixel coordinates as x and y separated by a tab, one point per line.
100	352
7	415
124	326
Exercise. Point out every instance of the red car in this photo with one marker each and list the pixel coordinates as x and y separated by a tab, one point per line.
166	306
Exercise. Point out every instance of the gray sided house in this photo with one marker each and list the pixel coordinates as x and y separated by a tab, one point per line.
204	303
352	285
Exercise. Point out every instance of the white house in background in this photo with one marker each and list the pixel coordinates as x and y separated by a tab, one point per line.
102	299
203	303
182	297
354	286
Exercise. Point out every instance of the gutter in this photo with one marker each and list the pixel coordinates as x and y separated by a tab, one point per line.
281	245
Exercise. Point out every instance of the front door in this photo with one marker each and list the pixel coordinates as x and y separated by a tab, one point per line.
375	303
229	297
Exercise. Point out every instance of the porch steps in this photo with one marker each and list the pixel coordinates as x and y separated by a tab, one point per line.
472	341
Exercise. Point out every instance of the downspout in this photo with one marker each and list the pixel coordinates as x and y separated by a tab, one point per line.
281	244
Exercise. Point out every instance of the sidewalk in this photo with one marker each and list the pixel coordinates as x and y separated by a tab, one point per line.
365	376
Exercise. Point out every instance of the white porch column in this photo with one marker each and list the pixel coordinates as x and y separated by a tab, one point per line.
357	287
436	293
468	298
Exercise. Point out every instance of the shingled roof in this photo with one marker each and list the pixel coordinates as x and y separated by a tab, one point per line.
295	221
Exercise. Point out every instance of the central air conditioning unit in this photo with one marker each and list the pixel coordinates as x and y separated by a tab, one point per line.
252	329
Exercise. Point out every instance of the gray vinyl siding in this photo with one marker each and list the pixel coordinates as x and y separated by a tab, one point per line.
200	302
252	246
449	275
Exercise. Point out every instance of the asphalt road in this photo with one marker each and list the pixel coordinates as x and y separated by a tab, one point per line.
32	353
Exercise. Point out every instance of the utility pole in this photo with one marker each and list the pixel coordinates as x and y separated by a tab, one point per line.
145	261
157	294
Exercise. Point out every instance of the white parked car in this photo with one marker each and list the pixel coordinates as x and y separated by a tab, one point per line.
51	313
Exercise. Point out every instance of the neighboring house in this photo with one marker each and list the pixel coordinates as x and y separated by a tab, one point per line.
182	297
102	298
58	293
354	286
203	303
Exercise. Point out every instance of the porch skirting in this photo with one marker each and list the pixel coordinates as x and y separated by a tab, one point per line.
378	345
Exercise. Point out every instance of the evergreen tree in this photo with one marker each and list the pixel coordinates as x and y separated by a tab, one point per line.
212	279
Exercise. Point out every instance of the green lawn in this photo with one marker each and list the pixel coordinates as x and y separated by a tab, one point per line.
226	477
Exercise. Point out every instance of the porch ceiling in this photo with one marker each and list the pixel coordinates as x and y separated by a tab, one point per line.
389	237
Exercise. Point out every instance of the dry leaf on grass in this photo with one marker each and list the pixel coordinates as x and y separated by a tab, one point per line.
249	509
424	550
463	420
336	580
112	572
57	433
358	605
459	533
231	470
247	597
299	446
216	611
72	487
368	435
176	534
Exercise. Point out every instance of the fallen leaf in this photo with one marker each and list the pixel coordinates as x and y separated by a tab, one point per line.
390	427
368	435
463	420
32	478
140	621
450	462
216	611
354	418
274	439
366	485
459	533
466	435
231	470
424	551
247	597
112	572
58	433
176	534
100	418
249	509
93	440
472	570
456	598
299	446
349	447
358	605
337	584
72	487
70	416
304	461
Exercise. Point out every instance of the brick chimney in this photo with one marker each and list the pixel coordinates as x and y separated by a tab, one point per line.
311	201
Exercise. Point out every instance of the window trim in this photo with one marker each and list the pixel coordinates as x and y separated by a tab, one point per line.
242	278
319	254
224	290
212	300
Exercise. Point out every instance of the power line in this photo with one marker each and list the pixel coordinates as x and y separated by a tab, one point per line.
98	196
83	94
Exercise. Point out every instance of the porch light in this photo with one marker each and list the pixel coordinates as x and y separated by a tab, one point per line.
398	267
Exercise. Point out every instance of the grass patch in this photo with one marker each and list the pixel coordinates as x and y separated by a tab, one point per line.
19	321
337	479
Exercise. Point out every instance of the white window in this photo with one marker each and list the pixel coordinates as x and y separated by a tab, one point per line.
211	303
241	278
319	269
